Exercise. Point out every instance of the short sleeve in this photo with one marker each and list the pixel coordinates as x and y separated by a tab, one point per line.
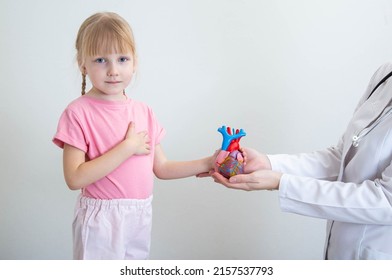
157	130
70	131
160	133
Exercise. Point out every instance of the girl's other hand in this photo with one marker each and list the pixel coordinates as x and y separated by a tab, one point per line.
211	163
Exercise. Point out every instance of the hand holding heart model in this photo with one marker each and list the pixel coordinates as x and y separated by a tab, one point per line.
230	160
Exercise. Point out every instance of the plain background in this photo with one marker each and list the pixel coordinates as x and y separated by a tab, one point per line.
289	73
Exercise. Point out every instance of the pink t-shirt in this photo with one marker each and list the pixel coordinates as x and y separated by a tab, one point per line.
95	126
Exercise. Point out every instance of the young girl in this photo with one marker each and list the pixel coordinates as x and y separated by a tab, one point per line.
111	147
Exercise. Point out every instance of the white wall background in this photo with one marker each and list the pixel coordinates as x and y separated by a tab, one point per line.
289	72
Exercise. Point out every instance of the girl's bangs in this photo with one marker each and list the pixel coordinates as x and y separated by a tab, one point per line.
107	42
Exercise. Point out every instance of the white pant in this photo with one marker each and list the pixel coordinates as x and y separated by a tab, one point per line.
112	229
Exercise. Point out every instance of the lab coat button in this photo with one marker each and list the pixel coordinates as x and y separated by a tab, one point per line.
355	141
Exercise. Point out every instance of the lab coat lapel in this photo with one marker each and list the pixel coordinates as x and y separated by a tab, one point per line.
364	116
372	108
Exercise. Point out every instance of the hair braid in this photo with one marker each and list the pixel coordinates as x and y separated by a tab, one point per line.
83	83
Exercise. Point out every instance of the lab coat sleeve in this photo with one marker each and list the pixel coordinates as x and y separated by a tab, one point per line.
323	164
309	187
365	203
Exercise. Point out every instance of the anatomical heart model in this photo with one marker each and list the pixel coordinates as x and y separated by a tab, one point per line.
230	160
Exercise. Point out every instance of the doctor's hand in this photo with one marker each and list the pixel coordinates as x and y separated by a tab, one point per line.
255	161
258	180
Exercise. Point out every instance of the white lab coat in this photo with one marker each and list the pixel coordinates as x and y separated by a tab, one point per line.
349	184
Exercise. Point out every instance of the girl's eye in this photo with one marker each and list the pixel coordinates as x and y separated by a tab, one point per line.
100	60
123	59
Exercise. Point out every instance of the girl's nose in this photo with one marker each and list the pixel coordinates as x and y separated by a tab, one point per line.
112	70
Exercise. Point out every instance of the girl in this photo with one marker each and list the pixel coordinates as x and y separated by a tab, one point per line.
111	147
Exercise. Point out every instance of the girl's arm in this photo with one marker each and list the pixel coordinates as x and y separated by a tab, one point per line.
79	173
167	169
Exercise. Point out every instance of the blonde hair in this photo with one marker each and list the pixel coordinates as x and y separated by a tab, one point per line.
103	33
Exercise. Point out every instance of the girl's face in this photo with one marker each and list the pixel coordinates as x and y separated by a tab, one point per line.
109	74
